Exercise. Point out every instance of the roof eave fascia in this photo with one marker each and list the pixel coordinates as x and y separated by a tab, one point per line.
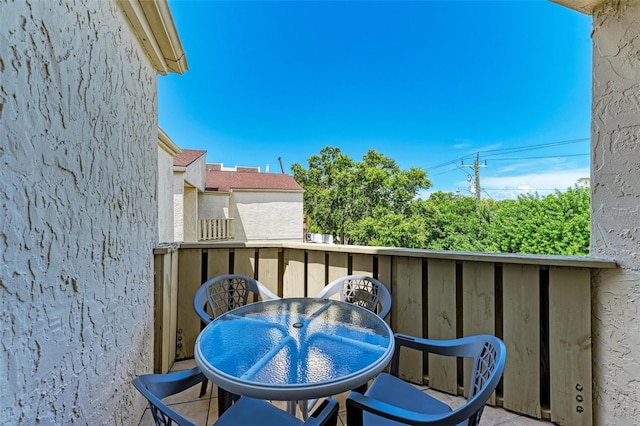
153	25
165	142
583	6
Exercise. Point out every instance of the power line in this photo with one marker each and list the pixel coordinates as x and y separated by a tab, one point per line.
520	189
538	146
509	159
510	150
540	157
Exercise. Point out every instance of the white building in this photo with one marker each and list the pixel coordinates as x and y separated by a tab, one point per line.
260	206
215	203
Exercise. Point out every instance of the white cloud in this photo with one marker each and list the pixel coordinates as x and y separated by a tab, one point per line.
543	183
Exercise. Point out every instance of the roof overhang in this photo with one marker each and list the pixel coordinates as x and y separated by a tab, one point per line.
584	6
165	142
153	24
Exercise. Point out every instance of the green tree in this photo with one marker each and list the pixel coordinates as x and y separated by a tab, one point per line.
555	224
452	223
346	198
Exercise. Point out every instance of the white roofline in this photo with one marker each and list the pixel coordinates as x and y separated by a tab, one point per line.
153	24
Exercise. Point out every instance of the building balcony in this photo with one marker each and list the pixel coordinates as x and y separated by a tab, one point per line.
215	229
539	305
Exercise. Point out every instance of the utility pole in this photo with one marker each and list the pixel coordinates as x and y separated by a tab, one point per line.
476	170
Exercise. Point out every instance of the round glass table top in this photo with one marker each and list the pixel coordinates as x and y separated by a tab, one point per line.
294	349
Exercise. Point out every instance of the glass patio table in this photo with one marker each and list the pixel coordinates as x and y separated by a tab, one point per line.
294	349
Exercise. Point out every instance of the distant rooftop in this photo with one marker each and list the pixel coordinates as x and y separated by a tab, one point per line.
225	179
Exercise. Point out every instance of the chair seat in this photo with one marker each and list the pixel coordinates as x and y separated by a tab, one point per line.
249	411
397	392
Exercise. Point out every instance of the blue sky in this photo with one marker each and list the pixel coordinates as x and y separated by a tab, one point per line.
427	83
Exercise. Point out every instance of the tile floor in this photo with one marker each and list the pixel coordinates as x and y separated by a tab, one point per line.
204	410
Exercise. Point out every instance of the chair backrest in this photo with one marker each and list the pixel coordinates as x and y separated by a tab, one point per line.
489	357
488	366
226	292
155	387
361	290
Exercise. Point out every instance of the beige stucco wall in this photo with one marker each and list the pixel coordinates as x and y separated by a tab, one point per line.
195	173
190	218
78	223
213	205
188	182
165	196
616	212
178	217
265	215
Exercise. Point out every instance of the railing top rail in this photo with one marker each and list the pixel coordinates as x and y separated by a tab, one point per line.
526	259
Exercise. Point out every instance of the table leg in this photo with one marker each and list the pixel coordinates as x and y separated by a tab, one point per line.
225	400
304	409
291	407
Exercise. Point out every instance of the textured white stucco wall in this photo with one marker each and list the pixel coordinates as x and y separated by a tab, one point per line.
165	196
178	206
261	215
78	216
616	212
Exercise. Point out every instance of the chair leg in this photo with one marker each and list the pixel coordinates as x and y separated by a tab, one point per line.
203	389
354	415
225	400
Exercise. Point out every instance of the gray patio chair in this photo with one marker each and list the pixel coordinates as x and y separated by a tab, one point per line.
222	294
156	387
361	290
392	401
226	292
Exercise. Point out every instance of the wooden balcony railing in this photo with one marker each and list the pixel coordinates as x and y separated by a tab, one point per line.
539	305
215	229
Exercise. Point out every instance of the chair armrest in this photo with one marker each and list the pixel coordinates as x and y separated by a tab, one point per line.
199	301
265	293
325	415
466	347
356	403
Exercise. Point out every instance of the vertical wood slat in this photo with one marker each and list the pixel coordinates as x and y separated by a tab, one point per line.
478	308
244	262
217	262
407	291
384	275
338	265
268	268
173	332
362	264
442	322
164	341
315	272
521	333
384	271
189	277
293	275
570	346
